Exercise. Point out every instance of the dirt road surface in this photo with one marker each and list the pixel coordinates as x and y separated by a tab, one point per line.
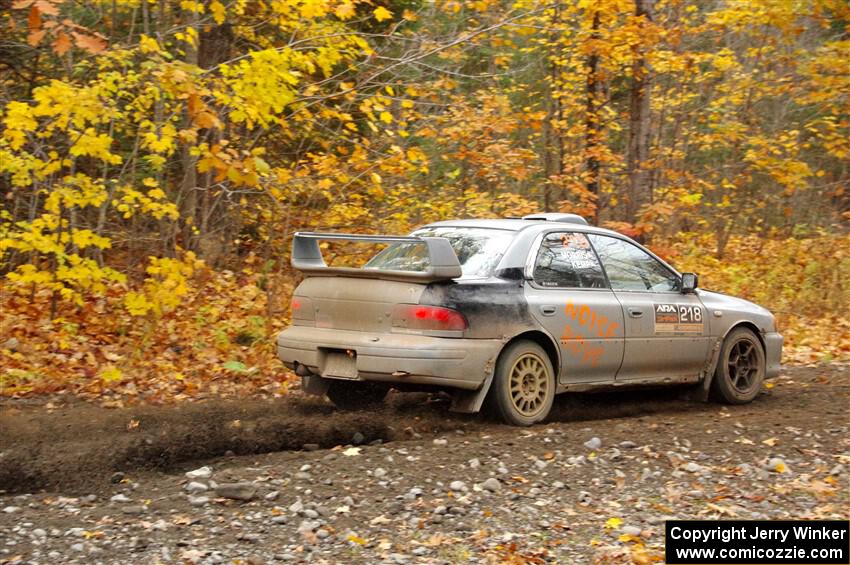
296	481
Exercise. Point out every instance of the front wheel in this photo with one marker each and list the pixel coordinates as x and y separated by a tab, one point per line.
523	384
356	395
740	369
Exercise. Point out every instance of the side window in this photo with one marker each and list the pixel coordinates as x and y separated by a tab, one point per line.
630	268
566	260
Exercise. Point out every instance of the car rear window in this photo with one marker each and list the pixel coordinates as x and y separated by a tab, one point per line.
478	250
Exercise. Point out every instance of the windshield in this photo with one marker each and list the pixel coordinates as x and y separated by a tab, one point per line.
478	250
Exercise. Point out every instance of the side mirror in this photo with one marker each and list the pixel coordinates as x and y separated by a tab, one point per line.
689	283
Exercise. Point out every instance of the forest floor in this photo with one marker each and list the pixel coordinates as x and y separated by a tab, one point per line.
293	480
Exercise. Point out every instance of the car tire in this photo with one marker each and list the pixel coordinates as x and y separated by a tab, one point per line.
740	368
523	385
356	395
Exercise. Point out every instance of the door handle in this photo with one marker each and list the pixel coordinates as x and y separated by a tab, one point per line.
635	312
547	310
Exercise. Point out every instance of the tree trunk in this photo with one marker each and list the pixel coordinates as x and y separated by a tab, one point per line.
553	141
640	192
592	122
189	183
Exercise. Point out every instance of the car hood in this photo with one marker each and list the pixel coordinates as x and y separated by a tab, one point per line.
737	309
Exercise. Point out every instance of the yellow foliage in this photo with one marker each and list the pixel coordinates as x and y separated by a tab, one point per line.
18	121
166	284
149	45
218	11
382	14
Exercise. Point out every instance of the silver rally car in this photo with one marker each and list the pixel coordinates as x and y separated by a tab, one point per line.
513	311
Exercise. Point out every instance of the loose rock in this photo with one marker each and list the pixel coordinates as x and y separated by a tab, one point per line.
195	487
457	485
777	465
593	443
204	472
492	484
236	491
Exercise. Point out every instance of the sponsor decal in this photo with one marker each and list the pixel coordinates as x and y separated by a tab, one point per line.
679	318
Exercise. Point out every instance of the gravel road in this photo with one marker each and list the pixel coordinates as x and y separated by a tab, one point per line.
595	484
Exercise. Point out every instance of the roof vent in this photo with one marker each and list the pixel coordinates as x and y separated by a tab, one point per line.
557	217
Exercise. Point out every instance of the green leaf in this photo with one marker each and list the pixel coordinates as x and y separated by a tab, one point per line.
235	366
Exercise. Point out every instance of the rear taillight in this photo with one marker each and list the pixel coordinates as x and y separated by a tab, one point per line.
303	313
419	317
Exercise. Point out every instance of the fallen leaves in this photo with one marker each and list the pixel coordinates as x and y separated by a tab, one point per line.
820	488
111	374
723	509
182	520
99	352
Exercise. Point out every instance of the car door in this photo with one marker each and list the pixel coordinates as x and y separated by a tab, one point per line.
666	332
567	293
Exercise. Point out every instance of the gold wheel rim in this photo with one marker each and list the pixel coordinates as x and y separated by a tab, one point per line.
529	384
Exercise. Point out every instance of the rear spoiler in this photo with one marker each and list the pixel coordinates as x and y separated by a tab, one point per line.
442	261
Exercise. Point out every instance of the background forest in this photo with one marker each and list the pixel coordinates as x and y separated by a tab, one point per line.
157	155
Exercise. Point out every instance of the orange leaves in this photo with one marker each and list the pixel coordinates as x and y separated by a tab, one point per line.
62	43
242	168
202	116
624	228
94	43
34	23
84	38
34	19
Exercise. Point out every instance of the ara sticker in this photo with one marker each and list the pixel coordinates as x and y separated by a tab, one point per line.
678	318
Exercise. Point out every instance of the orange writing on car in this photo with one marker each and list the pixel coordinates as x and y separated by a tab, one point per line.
589	318
576	345
594	322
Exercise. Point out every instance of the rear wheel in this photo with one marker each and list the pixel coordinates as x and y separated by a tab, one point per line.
740	369
523	384
356	395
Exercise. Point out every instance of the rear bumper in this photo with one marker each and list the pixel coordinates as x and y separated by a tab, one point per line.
773	353
452	362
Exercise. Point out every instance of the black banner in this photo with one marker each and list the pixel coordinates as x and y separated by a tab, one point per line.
758	542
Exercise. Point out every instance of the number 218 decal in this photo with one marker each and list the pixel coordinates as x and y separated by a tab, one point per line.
690	314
